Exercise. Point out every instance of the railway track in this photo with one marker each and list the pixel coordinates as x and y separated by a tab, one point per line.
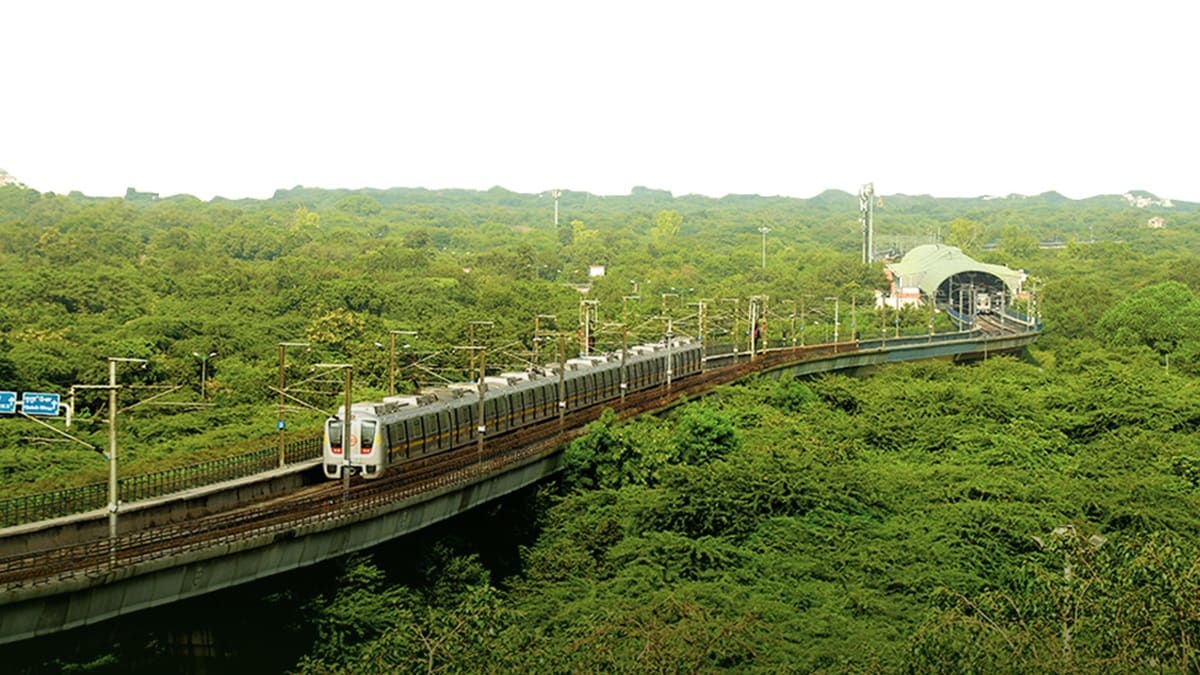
328	502
321	505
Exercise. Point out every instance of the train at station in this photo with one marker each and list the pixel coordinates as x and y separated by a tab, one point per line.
382	435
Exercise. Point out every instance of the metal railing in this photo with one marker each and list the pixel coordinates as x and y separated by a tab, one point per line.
46	505
97	557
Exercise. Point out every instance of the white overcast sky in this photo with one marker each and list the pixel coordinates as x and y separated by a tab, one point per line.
776	98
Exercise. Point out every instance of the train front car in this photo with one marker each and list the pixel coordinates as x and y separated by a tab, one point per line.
359	447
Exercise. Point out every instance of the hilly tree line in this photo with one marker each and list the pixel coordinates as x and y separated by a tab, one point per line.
1027	516
167	279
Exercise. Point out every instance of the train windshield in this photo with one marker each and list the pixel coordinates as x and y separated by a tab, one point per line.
335	435
367	443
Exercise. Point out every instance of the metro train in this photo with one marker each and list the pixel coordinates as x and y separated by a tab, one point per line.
399	428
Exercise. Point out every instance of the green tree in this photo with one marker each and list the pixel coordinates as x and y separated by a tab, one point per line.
703	434
1162	317
965	233
1018	242
601	458
359	205
666	226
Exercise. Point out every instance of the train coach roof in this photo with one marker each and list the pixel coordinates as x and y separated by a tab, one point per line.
458	394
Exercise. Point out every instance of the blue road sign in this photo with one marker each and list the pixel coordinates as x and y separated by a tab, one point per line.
35	403
8	402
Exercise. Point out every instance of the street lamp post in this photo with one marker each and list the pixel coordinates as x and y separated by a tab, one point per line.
562	383
670	348
733	326
482	410
625	306
836	320
471	326
537	336
756	315
854	320
624	385
664	301
793	324
279	425
113	496
204	371
700	305
589	313
802	324
392	358
764	230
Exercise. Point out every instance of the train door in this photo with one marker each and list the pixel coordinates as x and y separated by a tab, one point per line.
466	423
445	430
417	438
572	393
400	440
520	407
612	382
541	395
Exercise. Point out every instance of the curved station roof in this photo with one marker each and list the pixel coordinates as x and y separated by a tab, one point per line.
928	267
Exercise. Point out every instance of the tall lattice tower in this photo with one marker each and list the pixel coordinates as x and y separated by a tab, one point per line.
866	216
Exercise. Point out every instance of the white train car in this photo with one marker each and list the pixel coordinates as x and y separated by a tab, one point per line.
387	433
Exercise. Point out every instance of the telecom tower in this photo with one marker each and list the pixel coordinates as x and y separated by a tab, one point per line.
866	211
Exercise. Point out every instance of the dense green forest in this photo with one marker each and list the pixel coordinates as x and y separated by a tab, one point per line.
1020	515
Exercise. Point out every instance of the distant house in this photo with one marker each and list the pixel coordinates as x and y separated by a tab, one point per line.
1157	223
7	178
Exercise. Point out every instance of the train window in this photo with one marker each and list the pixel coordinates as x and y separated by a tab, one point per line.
429	431
416	441
335	436
520	402
503	406
506	410
367	440
538	398
463	423
438	427
399	439
465	416
498	422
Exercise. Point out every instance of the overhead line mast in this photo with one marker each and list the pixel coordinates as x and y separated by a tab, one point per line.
866	211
